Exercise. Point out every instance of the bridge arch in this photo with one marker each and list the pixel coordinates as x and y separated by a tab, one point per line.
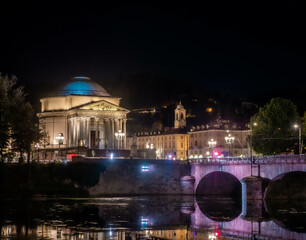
288	185
219	183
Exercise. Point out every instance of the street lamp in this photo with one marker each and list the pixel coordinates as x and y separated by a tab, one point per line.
212	144
119	136
229	140
298	126
60	139
37	150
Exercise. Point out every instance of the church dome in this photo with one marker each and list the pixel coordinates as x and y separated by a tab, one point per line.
83	86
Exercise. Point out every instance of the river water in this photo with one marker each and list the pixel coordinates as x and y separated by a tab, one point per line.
156	217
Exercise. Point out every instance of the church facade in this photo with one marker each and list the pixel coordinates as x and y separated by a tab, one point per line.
83	115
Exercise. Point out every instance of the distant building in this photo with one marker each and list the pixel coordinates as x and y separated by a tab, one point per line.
221	138
82	115
169	143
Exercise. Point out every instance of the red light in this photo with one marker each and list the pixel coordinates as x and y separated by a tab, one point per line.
217	234
71	155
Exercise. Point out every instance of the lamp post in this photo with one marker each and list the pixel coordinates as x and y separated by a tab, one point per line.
60	139
229	140
298	126
37	150
119	136
212	144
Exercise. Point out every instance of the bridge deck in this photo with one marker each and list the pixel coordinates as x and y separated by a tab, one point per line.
259	160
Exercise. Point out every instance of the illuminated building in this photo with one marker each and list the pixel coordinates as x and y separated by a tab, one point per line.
85	116
219	132
169	143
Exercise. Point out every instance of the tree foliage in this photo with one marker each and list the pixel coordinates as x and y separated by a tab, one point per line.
17	122
25	131
272	127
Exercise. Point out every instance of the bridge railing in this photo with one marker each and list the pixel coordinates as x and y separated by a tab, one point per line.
271	159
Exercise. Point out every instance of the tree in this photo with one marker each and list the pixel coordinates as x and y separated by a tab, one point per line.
24	130
17	118
44	137
272	127
9	95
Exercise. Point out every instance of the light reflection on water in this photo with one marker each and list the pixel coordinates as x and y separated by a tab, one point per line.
158	217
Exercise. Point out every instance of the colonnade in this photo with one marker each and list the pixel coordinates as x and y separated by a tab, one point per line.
96	133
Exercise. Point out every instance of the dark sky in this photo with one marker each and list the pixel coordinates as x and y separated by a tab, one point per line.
242	49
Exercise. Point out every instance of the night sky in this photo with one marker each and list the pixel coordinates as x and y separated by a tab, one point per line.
240	49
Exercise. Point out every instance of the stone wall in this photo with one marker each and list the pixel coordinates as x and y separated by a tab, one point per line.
139	176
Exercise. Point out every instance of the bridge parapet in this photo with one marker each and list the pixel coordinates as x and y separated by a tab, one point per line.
260	160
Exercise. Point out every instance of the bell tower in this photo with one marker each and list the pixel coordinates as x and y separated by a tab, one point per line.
180	116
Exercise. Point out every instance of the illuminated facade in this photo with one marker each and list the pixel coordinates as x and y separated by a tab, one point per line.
218	139
167	145
84	115
170	143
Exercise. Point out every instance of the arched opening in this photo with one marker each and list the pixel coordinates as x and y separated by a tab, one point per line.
290	185
220	184
218	196
287	191
182	116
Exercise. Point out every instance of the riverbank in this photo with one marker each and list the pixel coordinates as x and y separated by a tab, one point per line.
27	180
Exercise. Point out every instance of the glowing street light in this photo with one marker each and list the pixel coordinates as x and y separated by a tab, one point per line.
229	140
60	138
37	150
298	126
119	136
212	144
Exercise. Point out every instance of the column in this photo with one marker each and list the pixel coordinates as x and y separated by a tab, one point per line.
116	141
78	131
121	140
124	130
89	133
97	132
68	132
112	134
86	137
73	132
107	133
102	134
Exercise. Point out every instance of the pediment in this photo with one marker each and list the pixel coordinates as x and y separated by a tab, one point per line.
102	106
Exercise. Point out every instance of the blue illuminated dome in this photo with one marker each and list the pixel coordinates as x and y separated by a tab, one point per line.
83	86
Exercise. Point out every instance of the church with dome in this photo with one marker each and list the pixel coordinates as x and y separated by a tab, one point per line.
82	115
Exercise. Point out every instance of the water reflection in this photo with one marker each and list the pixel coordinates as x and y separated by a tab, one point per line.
147	218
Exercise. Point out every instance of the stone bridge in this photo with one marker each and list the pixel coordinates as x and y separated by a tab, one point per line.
219	175
201	177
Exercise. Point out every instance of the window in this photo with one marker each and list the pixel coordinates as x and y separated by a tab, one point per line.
196	143
182	137
182	145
